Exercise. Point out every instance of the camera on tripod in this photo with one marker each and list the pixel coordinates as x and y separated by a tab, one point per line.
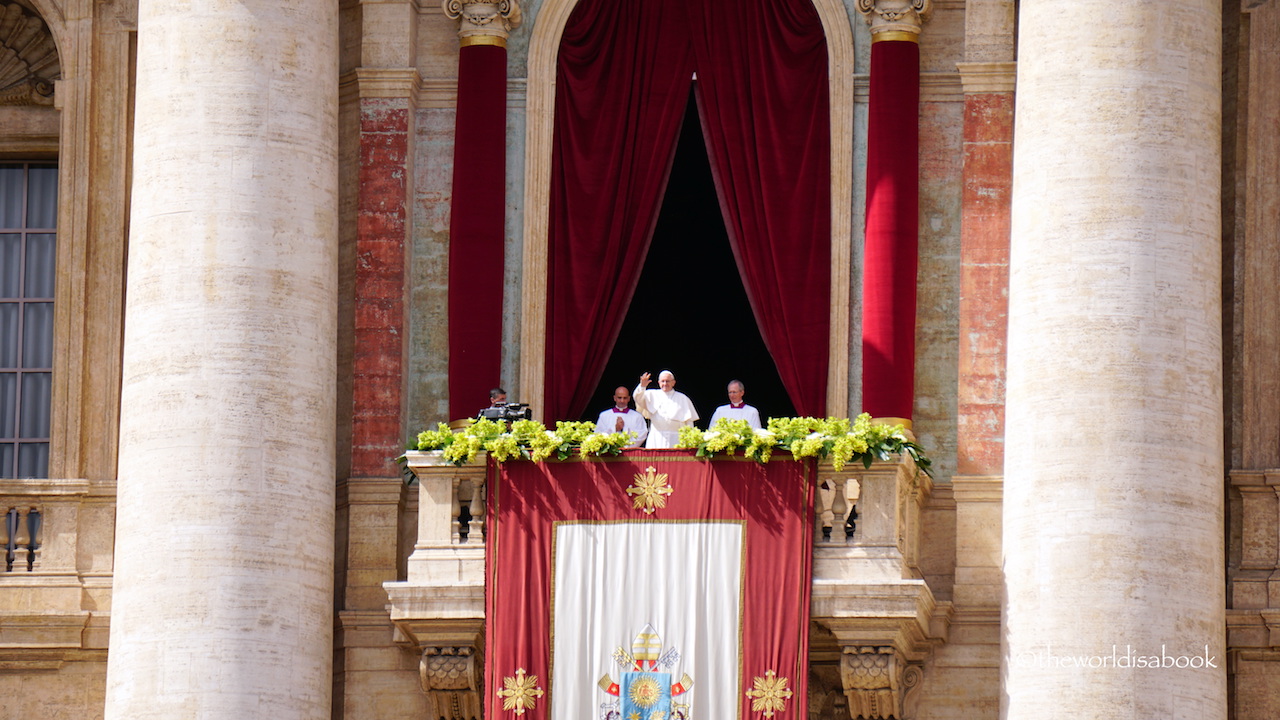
508	411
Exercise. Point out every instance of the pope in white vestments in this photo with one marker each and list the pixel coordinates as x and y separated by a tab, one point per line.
667	410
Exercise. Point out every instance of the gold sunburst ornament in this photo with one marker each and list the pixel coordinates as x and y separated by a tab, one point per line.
520	693
649	490
645	692
770	694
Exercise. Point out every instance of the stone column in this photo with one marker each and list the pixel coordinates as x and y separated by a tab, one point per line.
893	199
223	599
1113	517
477	227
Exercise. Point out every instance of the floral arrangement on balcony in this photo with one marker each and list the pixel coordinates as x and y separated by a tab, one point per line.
838	439
525	439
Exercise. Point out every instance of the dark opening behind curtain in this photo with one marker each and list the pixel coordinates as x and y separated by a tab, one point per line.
762	94
623	76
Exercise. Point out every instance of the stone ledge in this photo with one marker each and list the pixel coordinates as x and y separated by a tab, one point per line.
42	630
43	487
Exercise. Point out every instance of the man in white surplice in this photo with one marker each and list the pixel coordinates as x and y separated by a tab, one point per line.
736	409
666	409
621	418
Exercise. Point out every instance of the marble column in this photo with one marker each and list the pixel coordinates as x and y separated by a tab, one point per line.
1113	517
223	594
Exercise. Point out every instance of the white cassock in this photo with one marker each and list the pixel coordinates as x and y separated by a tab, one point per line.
667	413
736	412
632	422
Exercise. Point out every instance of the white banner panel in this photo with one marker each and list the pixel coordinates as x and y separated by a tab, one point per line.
610	580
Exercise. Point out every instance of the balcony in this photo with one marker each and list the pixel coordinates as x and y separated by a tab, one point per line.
55	589
874	619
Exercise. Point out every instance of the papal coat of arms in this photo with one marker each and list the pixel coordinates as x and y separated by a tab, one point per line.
644	690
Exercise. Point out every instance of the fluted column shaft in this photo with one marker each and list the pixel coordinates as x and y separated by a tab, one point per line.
222	605
1113	540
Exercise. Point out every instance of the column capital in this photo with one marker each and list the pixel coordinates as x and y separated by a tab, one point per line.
483	22
895	19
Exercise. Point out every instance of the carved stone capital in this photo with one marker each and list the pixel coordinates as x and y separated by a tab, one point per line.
450	677
895	19
878	683
484	22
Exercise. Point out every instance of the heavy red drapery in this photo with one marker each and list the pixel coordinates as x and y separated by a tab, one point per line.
476	232
889	284
622	81
762	95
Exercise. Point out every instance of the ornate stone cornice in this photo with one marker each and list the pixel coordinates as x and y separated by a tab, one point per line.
483	22
28	58
988	77
388	83
934	87
895	19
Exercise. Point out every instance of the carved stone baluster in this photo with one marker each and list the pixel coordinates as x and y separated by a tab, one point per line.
478	505
468	489
852	490
10	537
826	506
457	534
22	537
33	536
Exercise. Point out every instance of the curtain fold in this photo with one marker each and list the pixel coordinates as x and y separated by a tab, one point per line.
623	79
762	95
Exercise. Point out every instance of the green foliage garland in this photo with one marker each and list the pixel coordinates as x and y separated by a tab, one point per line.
838	439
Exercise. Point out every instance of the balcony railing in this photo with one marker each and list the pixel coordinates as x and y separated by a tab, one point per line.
54	533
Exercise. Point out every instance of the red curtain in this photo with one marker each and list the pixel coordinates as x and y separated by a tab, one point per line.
762	95
623	79
476	229
891	255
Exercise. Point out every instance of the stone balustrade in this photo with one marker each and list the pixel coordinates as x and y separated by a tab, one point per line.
54	571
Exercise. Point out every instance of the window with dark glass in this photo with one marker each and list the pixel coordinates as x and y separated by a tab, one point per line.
28	239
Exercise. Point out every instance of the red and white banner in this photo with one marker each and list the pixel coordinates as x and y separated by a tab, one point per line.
653	586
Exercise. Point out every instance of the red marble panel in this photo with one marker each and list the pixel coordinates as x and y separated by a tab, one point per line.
984	281
381	225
